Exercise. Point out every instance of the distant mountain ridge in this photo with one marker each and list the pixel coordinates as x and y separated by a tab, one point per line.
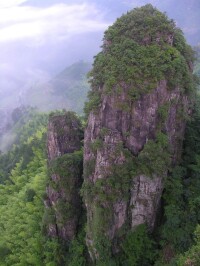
68	90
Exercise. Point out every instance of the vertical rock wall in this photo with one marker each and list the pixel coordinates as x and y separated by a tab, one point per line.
63	203
113	153
138	107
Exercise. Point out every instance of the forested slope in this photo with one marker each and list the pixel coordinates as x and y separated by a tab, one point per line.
23	178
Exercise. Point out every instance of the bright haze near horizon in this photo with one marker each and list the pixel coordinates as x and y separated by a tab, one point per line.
38	39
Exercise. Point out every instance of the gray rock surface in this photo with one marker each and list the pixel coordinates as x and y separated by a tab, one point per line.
64	137
132	129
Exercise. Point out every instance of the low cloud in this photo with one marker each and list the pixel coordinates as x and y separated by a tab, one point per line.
58	21
11	3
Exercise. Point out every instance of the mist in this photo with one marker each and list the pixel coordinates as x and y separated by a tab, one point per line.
39	39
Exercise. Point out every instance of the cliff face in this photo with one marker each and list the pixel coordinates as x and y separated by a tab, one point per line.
63	203
136	192
64	135
135	126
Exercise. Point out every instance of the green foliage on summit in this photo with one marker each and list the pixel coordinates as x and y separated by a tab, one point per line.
140	49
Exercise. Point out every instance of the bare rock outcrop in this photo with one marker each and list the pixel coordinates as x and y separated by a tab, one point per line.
131	132
63	203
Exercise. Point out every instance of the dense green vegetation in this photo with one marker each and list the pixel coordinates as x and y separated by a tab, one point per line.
23	178
24	130
182	196
138	247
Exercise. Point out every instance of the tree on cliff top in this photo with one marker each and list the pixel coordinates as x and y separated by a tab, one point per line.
139	50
